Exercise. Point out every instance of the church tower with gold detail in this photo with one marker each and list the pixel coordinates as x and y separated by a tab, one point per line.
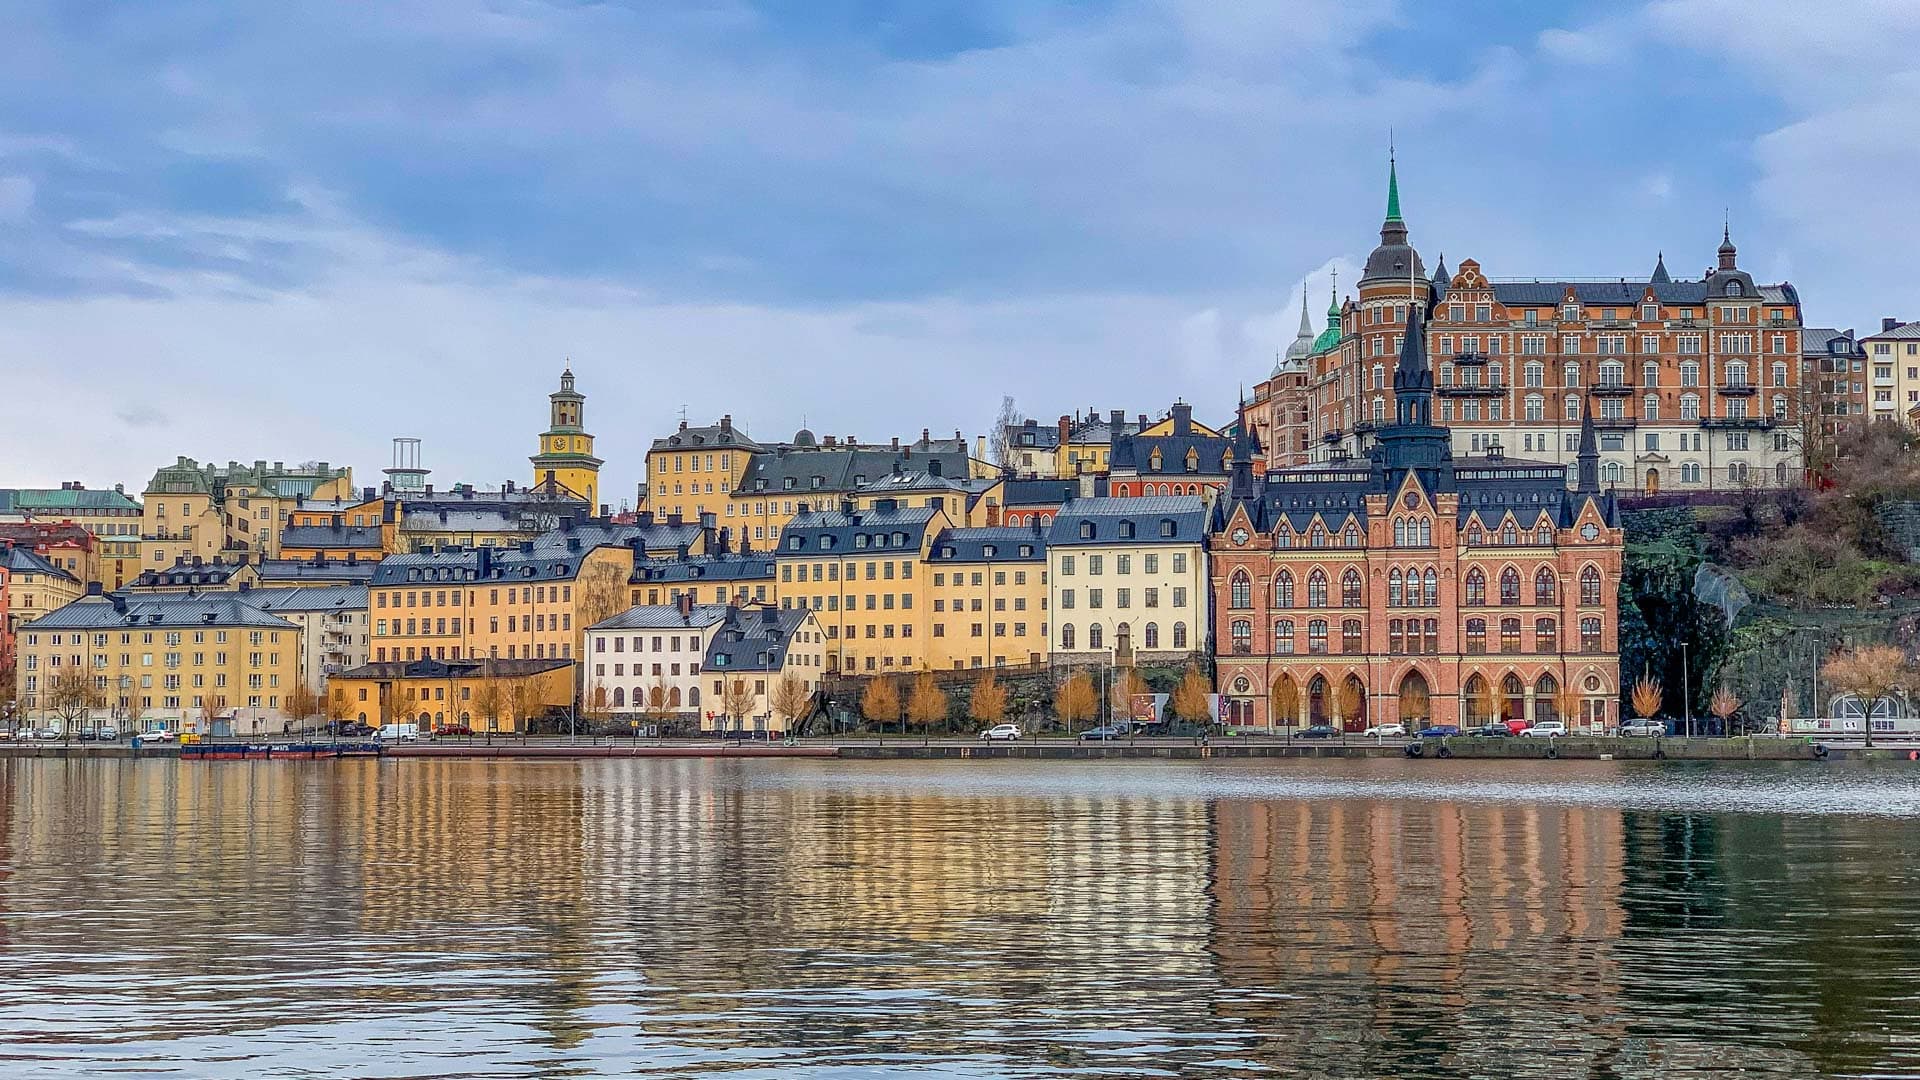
566	460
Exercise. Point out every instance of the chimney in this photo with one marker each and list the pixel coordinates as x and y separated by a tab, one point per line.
1887	324
707	520
1066	428
896	442
566	523
1182	419
926	437
246	586
683	425
509	488
933	466
646	518
443	517
1117	419
726	422
831	440
526	547
94	588
674	518
846	507
339	522
197	563
770	616
573	543
980	447
680	551
119	603
367	494
603	510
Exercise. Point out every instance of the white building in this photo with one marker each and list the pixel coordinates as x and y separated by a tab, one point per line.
1128	574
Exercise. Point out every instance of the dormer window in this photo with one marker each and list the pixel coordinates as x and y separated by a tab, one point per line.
860	540
1026	551
1153	460
1166	527
1086	530
988	551
1126	530
1733	289
1193	460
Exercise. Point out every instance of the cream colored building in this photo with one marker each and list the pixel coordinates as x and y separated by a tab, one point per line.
333	626
1893	370
1128	577
677	660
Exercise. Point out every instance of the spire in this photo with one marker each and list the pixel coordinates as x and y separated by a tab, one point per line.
1412	378
1306	325
1393	187
1302	346
1588	458
1440	275
1333	300
1660	275
1727	250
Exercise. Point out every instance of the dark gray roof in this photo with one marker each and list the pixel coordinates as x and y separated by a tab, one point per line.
1158	519
659	536
183	572
704	568
19	560
1001	544
521	564
316	570
1134	453
309	598
1903	332
754	640
328	536
898	530
663	617
451	669
162	610
721	436
1623	293
1031	491
1044	436
1487	489
804	473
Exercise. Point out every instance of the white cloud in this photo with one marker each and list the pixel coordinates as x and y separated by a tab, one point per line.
1588	46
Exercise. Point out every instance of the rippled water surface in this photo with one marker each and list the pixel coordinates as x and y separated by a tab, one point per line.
459	919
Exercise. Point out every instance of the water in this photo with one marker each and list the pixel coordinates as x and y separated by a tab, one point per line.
459	919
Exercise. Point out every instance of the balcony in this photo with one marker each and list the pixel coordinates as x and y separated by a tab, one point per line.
1470	359
1779	320
1687	324
1739	423
1614	423
1333	436
1739	389
1473	390
1612	389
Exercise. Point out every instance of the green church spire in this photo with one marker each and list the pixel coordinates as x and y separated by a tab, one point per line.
1393	190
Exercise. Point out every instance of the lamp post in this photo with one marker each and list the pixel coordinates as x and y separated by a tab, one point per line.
1686	692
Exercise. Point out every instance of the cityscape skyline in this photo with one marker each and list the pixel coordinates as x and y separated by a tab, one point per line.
255	229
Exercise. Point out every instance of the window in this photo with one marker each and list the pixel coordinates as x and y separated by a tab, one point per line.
1240	591
1589	635
1066	635
1544	586
1396	595
1317	637
1242	633
1509	635
1590	586
1350	636
1476	586
1317	589
1546	636
1350	589
1536	407
1179	635
1509	587
1476	636
1153	635
1650	407
1690	373
1689	406
1283	589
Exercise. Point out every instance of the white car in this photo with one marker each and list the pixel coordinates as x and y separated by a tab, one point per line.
1546	729
1002	732
1386	731
161	735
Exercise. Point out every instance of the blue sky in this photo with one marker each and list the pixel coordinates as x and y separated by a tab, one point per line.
292	231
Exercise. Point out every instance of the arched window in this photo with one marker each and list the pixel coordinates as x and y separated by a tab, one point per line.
1590	586
1543	535
1317	636
1509	535
1546	636
619	696
1513	694
1242	637
1317	588
1476	635
1734	288
1350	636
1399	532
1093	636
1241	590
1509	587
1066	635
1545	695
1509	635
1543	586
693	697
1353	537
1395	597
1153	635
1430	590
1426	533
673	697
1283	637
1474	535
1179	635
1433	637
1283	589
1396	637
1590	635
1476	586
1350	590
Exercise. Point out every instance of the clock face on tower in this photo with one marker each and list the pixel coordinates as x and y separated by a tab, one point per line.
1239	536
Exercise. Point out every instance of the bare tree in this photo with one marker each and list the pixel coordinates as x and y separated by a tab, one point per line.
1000	442
791	698
489	702
1723	705
1126	685
736	700
210	709
301	705
600	593
337	709
927	705
523	701
1869	673
1283	702
72	694
1566	705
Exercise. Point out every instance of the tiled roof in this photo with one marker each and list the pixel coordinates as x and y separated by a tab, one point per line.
328	536
1624	293
869	532
663	617
704	568
754	640
508	565
19	560
309	570
309	598
54	500
164	610
1001	544
1149	519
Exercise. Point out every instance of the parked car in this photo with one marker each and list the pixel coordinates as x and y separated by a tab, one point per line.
1545	729
1642	729
86	734
1515	727
1386	731
47	733
1103	733
399	733
158	735
349	728
109	734
1489	731
1000	732
1318	731
1439	731
452	729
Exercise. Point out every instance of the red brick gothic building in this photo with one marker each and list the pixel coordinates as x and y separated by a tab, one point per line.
1412	585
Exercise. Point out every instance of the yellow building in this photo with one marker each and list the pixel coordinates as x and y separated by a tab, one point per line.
987	598
234	511
566	456
695	471
206	662
967	501
778	479
483	695
863	573
531	602
31	586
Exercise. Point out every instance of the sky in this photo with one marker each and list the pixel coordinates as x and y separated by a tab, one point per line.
294	231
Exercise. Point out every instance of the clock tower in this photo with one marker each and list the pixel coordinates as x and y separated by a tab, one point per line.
566	450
